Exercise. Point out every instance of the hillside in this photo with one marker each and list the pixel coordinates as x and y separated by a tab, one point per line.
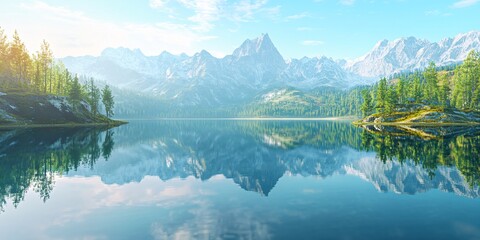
32	109
291	102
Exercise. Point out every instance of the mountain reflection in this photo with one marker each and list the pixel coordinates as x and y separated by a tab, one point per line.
255	155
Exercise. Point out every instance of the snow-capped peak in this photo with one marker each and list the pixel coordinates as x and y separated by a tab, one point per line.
388	57
262	45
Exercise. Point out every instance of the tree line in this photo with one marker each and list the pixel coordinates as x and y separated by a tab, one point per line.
452	87
40	73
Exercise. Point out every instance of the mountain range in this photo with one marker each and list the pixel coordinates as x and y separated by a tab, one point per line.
257	155
254	155
257	66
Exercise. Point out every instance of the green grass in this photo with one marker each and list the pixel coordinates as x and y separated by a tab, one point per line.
417	118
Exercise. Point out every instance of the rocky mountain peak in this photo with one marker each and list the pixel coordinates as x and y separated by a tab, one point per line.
261	46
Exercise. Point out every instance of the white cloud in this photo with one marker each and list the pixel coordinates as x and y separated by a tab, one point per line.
206	12
437	13
74	33
433	13
347	2
158	4
312	42
304	29
297	16
465	3
246	9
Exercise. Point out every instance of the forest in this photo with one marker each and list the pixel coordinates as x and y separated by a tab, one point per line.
40	74
457	87
319	102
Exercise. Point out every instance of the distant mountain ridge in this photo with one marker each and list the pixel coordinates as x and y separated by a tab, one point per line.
257	66
407	54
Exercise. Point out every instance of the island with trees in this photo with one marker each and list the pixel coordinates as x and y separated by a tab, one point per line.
436	96
36	89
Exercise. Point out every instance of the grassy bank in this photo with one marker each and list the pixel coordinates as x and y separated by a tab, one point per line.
427	116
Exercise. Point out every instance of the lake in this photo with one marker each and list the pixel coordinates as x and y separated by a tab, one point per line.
223	179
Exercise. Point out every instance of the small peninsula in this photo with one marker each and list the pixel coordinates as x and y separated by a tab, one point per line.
437	96
423	115
38	90
27	109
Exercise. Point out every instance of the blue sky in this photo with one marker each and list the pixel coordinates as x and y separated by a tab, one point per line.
334	28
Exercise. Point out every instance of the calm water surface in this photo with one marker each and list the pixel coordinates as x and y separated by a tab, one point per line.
237	180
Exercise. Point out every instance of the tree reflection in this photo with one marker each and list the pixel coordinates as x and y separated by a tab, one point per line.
108	144
32	158
254	154
460	151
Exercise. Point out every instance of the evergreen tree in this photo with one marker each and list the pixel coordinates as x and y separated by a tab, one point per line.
381	95
391	99
3	54
19	60
466	81
401	91
93	97
46	59
75	93
431	88
416	90
107	100
367	105
444	91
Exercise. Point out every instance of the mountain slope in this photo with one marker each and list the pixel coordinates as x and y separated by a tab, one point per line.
257	66
202	79
406	54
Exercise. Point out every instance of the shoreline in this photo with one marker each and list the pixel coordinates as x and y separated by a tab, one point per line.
248	119
116	123
422	124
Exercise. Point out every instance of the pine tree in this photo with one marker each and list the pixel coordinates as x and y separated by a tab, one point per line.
3	54
431	88
46	59
367	106
466	81
391	100
416	91
107	100
75	93
381	95
93	97
444	91
401	91
19	60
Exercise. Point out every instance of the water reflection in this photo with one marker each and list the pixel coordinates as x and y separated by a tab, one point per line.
255	155
34	157
431	148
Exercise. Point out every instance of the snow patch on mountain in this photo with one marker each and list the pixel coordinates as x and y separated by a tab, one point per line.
271	95
407	54
257	66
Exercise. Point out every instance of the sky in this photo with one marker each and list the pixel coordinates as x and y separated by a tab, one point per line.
341	29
